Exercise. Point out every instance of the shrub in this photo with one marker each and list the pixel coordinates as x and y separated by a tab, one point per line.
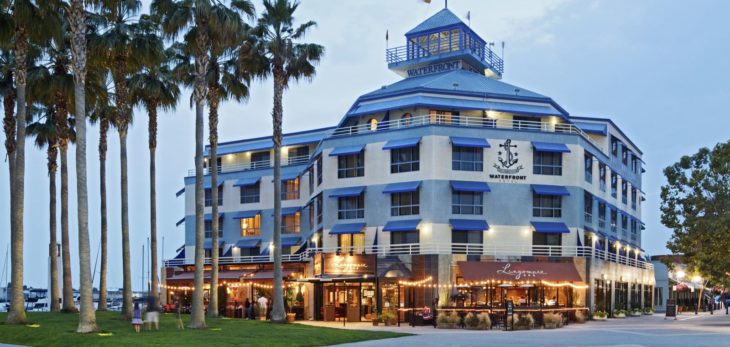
471	321
443	321
485	323
523	322
648	311
552	320
388	317
580	316
454	318
619	313
600	314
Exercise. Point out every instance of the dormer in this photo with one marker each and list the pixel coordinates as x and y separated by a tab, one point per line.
443	43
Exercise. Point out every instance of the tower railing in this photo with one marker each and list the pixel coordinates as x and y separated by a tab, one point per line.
405	53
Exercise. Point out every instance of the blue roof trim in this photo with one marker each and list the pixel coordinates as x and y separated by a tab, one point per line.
543	189
290	241
244	214
347	228
550	147
180	192
245	182
181	221
401	187
472	142
469	224
346	192
441	19
289	176
248	243
346	150
470	186
209	243
290	211
207	185
550	227
614	125
402	143
209	217
593	128
402	225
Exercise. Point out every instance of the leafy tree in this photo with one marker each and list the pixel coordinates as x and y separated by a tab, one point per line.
696	206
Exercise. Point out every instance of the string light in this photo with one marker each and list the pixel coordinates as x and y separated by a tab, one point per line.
565	284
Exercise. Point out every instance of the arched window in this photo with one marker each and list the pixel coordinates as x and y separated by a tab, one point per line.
373	124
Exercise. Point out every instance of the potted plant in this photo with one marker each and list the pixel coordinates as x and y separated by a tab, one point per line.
648	311
600	315
552	320
523	322
471	321
636	312
290	301
580	316
376	320
619	314
455	320
389	318
485	323
443	321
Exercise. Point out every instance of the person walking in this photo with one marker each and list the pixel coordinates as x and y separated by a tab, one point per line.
247	309
153	314
725	298
263	306
178	308
137	317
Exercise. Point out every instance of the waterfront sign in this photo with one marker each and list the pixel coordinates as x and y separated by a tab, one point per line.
336	264
434	68
507	165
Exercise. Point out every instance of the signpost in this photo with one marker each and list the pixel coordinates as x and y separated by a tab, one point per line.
509	313
671	309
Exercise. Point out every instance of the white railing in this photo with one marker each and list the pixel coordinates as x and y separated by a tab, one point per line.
500	250
464	121
263	164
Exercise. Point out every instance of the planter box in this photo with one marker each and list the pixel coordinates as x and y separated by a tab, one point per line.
635	314
619	316
648	313
600	318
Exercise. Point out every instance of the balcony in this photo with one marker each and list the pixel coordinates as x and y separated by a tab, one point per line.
413	54
254	165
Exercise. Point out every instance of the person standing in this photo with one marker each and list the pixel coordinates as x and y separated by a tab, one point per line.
137	317
263	306
153	314
178	308
247	309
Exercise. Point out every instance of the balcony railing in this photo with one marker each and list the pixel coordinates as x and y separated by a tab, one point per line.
262	164
405	53
463	121
496	250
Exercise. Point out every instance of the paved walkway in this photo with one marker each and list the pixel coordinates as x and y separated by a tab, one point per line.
687	330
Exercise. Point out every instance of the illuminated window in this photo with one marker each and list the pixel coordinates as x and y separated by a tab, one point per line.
351	242
291	223
290	189
251	226
440	117
373	124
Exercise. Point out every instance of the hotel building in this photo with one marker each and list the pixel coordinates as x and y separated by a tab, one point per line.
448	188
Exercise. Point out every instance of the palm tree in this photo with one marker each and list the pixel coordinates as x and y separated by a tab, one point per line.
154	87
195	20
77	21
44	131
126	45
284	59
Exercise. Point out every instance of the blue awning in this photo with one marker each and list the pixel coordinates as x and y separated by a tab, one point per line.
550	227
347	228
289	211
402	143
208	216
245	214
543	189
264	251
180	255
550	147
290	241
401	187
289	176
593	128
346	192
180	192
470	186
346	150
469	224
228	253
402	225
248	243
473	142
181	221
207	244
245	182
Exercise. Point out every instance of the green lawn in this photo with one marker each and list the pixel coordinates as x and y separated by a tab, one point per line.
58	329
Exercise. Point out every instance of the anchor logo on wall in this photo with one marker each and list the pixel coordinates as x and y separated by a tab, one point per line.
508	159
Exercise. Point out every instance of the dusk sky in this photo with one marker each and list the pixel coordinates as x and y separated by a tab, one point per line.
658	69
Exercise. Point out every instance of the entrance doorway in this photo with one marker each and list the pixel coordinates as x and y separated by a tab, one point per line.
354	301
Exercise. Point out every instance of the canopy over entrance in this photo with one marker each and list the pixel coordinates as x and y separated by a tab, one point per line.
475	271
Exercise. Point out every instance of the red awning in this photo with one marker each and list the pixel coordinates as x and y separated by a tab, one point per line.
475	271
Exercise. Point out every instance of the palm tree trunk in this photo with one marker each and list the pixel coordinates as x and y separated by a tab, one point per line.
126	268
197	317
68	295
9	128
277	313
87	317
103	131
152	130
213	165
16	314
53	244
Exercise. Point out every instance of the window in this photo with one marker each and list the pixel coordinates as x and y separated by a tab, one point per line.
547	244
406	120
404	237
467	242
614	219
441	117
351	165
614	184
319	202
404	204
311	180
601	215
547	163
624	191
251	194
405	159
466	203
251	226
351	207
351	242
310	208
218	160
588	207
633	198
624	223
373	124
625	155
614	147
546	205
209	228
602	176
290	189
467	158
319	170
588	164
209	198
525	123
250	252
291	223
260	159
633	226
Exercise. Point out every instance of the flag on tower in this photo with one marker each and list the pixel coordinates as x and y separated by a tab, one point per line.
386	34
468	15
